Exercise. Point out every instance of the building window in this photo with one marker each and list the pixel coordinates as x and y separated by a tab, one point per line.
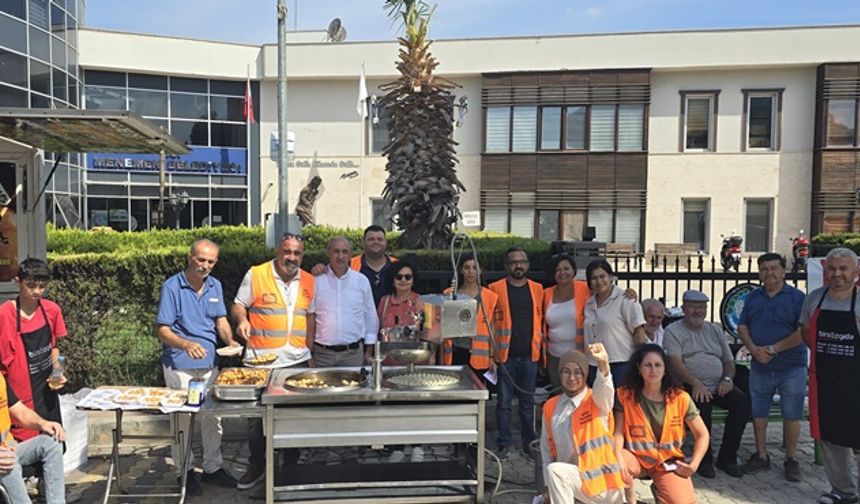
524	129
496	219
841	122
698	120
602	130
696	222
550	128
380	213
498	129
631	127
575	137
758	225
762	111
379	136
628	223
601	220
548	225
523	222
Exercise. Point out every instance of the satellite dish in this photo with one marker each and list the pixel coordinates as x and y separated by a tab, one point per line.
333	28
340	36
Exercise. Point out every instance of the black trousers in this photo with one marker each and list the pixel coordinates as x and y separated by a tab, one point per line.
737	403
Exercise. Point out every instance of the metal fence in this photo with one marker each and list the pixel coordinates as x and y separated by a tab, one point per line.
664	278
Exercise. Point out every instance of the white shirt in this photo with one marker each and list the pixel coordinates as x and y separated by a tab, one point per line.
658	337
561	322
603	394
612	324
344	309
287	355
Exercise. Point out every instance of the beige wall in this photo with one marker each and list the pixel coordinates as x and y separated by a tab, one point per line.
728	177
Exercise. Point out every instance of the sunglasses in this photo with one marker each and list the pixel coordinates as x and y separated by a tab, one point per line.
292	236
406	277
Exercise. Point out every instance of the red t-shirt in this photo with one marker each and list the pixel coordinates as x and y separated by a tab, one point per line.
14	362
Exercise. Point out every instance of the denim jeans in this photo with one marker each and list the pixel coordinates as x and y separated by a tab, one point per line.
524	373
49	452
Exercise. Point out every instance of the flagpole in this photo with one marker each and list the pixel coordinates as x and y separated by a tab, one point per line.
248	152
361	145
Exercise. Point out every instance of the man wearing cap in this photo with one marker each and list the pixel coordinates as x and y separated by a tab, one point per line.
580	418
700	357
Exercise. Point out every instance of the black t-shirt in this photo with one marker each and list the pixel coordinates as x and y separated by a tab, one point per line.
37	345
377	278
522	311
11	398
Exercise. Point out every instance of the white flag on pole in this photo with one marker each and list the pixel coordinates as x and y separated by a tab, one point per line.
361	105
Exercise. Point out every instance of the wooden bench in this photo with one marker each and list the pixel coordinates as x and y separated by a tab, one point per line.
621	250
673	251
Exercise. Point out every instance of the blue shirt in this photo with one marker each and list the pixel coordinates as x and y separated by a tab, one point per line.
770	319
191	317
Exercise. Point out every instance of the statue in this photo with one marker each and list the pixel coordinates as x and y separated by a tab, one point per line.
307	197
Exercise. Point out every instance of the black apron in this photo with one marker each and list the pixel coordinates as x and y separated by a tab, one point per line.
46	402
835	375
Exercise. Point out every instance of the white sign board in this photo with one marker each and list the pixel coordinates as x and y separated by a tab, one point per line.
472	218
274	141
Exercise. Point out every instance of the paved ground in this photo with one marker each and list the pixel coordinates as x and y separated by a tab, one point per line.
148	465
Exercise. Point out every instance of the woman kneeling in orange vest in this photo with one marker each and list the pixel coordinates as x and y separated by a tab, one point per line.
650	416
578	457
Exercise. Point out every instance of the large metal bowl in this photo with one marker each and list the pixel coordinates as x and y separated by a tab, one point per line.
329	380
408	352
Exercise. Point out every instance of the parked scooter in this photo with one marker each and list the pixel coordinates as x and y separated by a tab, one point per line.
730	252
799	252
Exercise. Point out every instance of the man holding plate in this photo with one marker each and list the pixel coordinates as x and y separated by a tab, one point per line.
191	314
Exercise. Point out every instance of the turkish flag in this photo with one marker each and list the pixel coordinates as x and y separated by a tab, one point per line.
248	110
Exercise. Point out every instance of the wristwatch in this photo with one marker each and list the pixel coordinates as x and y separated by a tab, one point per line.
727	378
771	349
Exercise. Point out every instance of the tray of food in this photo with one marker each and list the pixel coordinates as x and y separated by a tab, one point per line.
325	381
240	384
432	379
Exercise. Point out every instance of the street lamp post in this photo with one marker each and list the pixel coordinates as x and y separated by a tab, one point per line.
178	202
281	225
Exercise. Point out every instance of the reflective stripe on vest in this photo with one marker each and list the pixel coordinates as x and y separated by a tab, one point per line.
639	436
502	319
268	312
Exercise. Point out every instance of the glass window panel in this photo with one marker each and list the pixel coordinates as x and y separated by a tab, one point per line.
139	215
38	101
105	98
14	7
147	103
71	7
223	193
760	127
73	93
695	222
10	97
13	34
61	178
758	226
39	13
602	128
229	213
550	130
379	129
548	225
99	78
601	220
228	135
226	109
628	222
496	219
840	122
58	53
189	85
631	127
698	127
572	224
40	77
72	62
146	81
59	82
523	222
498	129
524	131
381	213
191	133
233	88
40	46
575	128
188	106
72	35
58	20
13	68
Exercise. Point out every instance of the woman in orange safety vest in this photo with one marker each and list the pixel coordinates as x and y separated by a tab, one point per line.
650	416
563	314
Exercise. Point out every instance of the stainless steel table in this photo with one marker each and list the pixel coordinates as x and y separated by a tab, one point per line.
367	417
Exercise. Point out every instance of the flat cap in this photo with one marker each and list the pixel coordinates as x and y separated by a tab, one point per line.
695	296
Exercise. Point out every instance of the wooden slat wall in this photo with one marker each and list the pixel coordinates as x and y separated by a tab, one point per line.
567	88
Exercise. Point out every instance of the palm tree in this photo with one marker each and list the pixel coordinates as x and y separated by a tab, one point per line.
422	187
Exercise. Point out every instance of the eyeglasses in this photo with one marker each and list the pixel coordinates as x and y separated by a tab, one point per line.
576	373
518	261
406	277
292	236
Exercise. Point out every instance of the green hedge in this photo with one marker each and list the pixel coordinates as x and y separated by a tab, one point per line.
108	285
823	243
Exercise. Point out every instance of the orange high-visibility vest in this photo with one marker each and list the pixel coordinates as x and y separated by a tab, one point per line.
502	319
6	438
581	294
639	437
355	262
480	358
592	440
268	313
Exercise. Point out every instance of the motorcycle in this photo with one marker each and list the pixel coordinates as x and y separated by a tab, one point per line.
730	252
799	252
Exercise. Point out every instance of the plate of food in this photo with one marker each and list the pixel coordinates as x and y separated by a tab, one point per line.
158	392
230	351
126	398
174	401
135	391
261	359
150	401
